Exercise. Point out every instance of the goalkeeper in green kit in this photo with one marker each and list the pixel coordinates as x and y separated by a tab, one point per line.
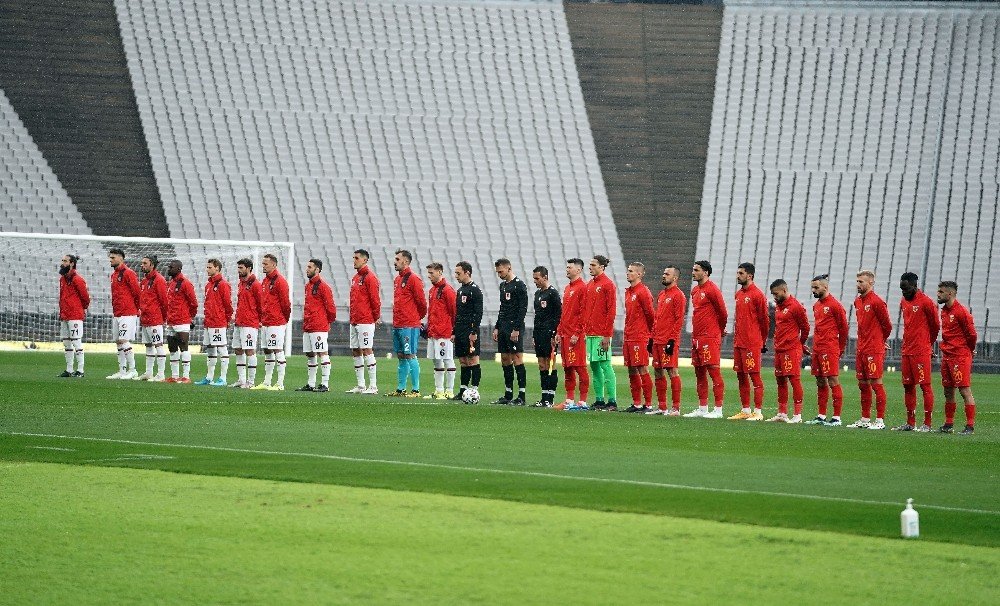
599	309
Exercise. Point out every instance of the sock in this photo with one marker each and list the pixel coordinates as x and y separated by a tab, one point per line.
223	361
370	366
584	382
438	378
359	370
268	367
522	381
822	395
661	392
798	394
598	371
311	372
213	358
647	389
477	374
970	414
150	360
175	364
78	355
402	371
553	385
129	356
928	393
610	381
701	384
949	412
543	376
324	362
251	369
241	368
675	390
122	364
635	386
758	390
718	386
466	376
508	381
414	373
880	400
279	359
910	399
838	400
68	354
186	364
570	383
782	395
161	359
866	400
743	382
449	375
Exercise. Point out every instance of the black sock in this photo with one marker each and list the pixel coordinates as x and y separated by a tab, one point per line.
522	380
466	375
543	374
476	374
553	384
508	381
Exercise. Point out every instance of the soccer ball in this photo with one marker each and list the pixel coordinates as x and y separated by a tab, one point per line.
471	396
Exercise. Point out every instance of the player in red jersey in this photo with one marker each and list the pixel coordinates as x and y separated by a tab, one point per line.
750	334
408	309
246	323
599	325
74	299
366	314
275	312
441	310
182	306
874	327
572	341
639	319
152	315
829	344
920	330
319	311
218	312
125	309
709	319
667	324
791	331
958	346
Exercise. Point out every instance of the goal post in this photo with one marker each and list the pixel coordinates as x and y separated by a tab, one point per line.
29	282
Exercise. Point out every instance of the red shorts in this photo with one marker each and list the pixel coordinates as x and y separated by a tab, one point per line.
825	364
869	366
660	358
788	363
746	360
635	354
956	372
706	351
916	370
573	355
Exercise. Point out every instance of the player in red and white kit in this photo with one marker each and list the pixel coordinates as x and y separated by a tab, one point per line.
152	315
218	311
708	320
74	299
182	306
958	346
791	331
874	327
667	324
125	308
920	330
829	344
246	324
639	319
365	315
750	333
440	332
572	339
319	311
275	312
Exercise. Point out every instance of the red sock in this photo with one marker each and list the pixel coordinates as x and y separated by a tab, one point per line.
675	388
758	390
928	403
718	387
970	414
838	400
647	389
866	400
782	395
798	394
701	384
584	382
570	382
910	399
880	400
743	380
661	392
949	412
635	385
822	395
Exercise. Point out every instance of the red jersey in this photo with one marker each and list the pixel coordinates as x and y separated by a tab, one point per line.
958	332
152	299
440	310
275	306
574	299
830	336
791	325
248	302
670	307
408	303
365	298
74	298
182	303
125	296
710	315
920	325
319	310
639	314
600	307
218	302
874	325
752	321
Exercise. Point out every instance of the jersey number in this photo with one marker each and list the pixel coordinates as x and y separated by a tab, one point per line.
216	337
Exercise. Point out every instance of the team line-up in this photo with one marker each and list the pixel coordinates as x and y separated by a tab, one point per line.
577	326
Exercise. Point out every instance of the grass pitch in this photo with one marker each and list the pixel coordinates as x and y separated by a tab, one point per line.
588	507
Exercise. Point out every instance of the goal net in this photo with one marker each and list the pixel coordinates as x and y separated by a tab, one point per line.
29	285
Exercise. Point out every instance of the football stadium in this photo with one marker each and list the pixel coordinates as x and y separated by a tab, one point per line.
499	301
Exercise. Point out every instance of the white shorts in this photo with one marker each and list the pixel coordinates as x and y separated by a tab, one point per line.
71	329
214	337
126	328
315	342
173	330
152	335
244	337
440	349
273	337
362	336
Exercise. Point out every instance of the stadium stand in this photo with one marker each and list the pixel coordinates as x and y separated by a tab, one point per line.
435	125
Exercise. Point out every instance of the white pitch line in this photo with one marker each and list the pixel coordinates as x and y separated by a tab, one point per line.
534	474
53	448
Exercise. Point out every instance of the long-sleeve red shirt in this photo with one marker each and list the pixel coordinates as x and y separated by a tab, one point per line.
573	302
218	302
440	310
248	302
639	315
670	308
874	325
600	307
275	304
920	325
182	302
830	335
74	298
710	315
319	310
408	303
125	296
958	331
791	325
365	298
752	321
152	299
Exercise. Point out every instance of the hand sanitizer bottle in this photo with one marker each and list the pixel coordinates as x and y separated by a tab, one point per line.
909	520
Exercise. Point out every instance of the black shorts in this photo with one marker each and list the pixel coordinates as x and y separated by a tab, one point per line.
462	347
543	344
506	345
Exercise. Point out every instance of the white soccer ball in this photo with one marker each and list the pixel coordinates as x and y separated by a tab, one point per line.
471	396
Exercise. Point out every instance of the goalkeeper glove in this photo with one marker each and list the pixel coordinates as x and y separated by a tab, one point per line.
649	346
669	349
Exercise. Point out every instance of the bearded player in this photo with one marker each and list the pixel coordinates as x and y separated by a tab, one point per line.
750	333
829	344
125	302
920	330
74	299
958	346
152	315
708	327
791	331
874	327
667	325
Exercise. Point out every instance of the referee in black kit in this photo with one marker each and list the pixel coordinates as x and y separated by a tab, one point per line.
548	308
468	316
509	332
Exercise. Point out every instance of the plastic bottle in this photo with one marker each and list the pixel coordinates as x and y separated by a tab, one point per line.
909	521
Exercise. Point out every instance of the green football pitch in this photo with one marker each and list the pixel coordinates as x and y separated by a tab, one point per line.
124	492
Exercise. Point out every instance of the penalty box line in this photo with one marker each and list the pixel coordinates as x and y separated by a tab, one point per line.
517	472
